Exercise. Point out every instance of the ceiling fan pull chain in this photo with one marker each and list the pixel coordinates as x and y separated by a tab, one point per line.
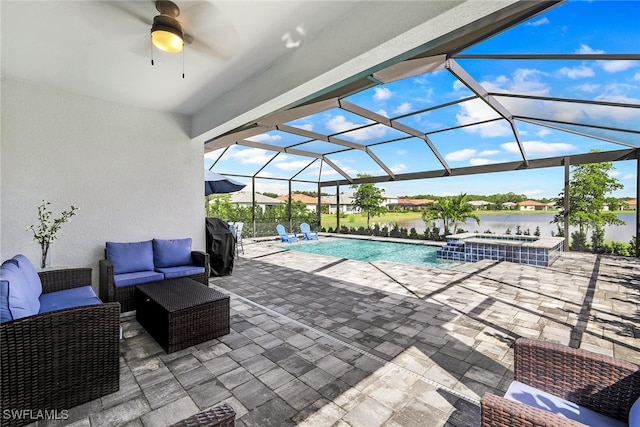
151	48
183	63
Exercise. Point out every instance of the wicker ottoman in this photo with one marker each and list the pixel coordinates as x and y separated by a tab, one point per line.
181	312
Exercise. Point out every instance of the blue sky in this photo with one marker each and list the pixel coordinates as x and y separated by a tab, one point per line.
573	27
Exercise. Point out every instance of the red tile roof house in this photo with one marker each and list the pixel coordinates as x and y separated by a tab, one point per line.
633	204
311	202
532	205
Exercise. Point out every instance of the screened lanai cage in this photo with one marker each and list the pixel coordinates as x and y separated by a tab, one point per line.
511	105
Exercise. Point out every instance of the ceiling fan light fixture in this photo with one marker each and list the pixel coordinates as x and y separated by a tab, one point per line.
166	34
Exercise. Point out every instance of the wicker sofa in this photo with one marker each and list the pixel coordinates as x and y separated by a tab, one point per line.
57	359
598	389
129	264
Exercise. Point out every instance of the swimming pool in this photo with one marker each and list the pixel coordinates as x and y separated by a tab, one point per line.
370	250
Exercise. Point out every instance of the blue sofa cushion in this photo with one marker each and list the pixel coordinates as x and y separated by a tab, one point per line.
187	270
130	257
634	414
136	278
5	313
531	396
75	297
19	296
171	253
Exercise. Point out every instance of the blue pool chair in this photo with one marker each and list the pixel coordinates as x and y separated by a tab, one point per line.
307	233
284	236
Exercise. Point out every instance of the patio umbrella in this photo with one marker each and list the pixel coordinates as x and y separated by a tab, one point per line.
214	183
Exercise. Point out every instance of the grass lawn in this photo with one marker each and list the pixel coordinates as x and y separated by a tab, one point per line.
360	220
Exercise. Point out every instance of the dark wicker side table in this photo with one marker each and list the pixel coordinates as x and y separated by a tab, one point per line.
181	312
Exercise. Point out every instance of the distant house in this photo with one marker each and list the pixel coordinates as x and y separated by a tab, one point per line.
346	205
243	198
633	204
532	205
410	204
310	202
509	205
390	201
481	204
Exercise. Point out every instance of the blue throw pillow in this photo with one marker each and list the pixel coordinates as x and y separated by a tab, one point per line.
20	302
130	257
171	253
31	275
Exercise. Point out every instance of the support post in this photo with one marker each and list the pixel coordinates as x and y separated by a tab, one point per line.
319	207
289	209
566	203
337	207
253	204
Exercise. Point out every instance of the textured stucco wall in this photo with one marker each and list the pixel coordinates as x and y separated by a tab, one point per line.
133	173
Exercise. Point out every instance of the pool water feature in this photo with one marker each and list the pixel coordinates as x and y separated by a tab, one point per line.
375	250
472	247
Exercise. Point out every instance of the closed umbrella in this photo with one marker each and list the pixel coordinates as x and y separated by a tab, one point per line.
214	183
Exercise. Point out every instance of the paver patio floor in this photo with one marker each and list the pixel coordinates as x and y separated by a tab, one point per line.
320	341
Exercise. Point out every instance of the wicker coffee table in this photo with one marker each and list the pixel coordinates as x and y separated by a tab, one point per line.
181	312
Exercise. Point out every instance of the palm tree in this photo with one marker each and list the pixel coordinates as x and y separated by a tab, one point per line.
451	210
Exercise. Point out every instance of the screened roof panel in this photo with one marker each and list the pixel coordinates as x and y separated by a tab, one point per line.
464	113
574	113
612	135
285	166
477	145
355	162
408	155
330	122
320	147
281	139
238	160
373	134
411	94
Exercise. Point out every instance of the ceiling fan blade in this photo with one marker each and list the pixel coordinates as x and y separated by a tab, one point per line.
207	30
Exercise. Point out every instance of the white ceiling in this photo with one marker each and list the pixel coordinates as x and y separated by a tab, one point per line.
102	48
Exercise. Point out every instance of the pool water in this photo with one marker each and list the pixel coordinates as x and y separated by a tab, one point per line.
368	250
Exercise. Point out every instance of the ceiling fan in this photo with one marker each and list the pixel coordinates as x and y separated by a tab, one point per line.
197	24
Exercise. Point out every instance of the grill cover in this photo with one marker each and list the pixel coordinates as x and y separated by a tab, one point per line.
221	246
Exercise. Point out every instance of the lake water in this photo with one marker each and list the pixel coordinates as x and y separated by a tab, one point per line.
498	223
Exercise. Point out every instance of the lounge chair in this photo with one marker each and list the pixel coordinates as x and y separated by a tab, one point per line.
307	233
555	385
284	236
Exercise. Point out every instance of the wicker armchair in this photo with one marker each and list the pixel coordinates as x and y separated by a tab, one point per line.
60	359
126	295
603	384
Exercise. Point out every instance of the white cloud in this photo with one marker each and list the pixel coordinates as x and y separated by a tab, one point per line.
614	174
253	156
381	94
589	87
341	124
636	76
383	113
402	152
478	161
578	72
617	66
477	111
214	154
265	137
543	132
460	155
489	152
586	49
457	85
403	108
533	193
522	81
305	126
629	176
537	23
397	168
539	148
292	165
